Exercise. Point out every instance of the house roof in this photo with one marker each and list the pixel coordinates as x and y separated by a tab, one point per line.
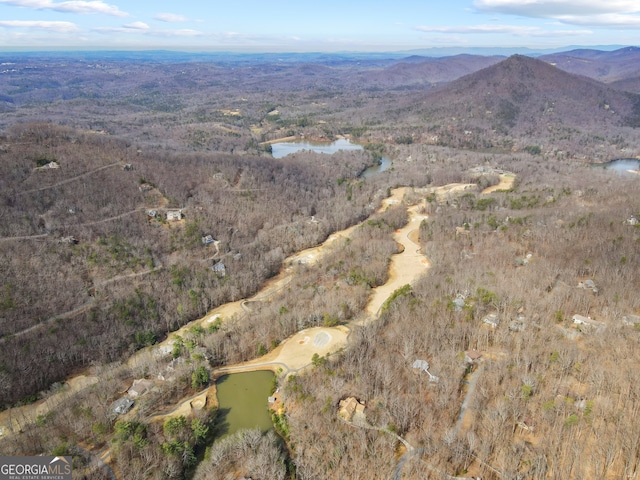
474	354
492	319
349	406
421	365
458	304
122	405
219	268
139	387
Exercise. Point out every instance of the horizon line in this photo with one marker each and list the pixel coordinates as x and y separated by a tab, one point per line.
280	50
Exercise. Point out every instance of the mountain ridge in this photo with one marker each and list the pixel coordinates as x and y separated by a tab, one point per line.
526	98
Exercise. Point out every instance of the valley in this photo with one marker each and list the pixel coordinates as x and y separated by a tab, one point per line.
167	247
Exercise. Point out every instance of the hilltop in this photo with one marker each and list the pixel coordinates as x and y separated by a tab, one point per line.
524	101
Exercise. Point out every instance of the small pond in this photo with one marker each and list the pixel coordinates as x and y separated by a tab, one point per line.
622	165
282	149
242	401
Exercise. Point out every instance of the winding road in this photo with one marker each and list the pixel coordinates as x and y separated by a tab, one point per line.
294	354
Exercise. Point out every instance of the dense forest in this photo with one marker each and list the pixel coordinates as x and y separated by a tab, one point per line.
527	315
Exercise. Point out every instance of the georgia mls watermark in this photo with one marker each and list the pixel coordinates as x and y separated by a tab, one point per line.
35	468
53	468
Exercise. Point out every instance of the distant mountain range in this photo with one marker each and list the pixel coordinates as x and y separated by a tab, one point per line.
418	70
603	66
472	101
619	68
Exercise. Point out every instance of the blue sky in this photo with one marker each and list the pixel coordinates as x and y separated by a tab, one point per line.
330	25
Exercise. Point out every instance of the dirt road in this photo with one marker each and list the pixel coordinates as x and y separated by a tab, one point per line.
296	352
405	267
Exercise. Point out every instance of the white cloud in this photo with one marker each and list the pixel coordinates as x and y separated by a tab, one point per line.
622	14
170	17
555	8
518	30
561	33
70	6
60	27
137	26
144	29
235	38
184	32
611	20
475	29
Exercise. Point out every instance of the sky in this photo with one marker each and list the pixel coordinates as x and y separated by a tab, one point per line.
328	25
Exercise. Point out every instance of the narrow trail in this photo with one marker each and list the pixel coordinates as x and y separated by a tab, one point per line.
104	220
86	224
80	309
72	179
24	237
130	275
71	313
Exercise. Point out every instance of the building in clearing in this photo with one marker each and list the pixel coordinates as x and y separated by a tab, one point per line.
121	406
472	356
174	215
458	304
527	424
207	240
589	285
492	320
349	408
424	366
219	269
53	165
421	365
140	387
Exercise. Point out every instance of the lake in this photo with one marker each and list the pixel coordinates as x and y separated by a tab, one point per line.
282	149
242	401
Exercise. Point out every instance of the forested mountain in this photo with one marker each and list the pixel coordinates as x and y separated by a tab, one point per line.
522	102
